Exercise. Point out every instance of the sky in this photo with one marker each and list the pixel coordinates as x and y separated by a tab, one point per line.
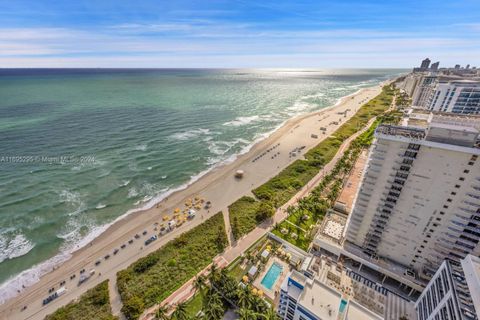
238	33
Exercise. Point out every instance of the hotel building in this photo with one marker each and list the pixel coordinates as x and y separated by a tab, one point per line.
419	202
452	293
458	96
303	298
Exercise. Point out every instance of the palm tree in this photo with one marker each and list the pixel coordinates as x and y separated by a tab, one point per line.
199	284
213	307
214	273
244	297
161	313
246	314
270	314
180	312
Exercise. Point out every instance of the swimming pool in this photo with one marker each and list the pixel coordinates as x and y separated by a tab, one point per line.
272	275
343	304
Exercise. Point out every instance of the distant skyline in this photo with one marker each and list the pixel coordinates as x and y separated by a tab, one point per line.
241	33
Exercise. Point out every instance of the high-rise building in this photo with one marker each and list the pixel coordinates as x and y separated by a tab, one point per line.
457	66
423	90
457	96
425	63
419	202
302	298
434	66
452	293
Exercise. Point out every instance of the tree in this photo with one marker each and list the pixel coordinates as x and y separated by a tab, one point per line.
161	313
133	307
264	211
213	306
244	297
199	284
246	314
270	314
180	312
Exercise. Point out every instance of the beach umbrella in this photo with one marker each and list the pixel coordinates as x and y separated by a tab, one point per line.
245	279
165	218
254	291
260	293
177	210
197	198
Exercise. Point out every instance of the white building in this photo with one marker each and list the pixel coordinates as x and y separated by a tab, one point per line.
419	202
452	293
302	298
459	96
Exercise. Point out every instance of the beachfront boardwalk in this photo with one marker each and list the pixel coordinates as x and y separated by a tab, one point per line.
237	248
218	186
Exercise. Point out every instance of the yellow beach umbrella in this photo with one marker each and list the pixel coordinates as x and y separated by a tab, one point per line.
245	279
197	198
165	218
260	293
254	291
177	210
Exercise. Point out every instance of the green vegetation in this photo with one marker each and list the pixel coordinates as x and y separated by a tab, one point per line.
278	190
222	292
246	213
153	278
298	228
93	304
283	187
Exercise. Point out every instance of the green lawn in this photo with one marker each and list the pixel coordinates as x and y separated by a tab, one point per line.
153	278
194	305
93	304
242	215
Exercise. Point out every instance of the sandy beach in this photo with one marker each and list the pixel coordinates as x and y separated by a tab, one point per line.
218	186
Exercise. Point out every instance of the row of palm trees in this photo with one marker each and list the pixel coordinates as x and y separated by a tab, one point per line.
220	292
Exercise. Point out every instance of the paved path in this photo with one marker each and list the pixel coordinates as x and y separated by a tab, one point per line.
183	293
115	300
237	249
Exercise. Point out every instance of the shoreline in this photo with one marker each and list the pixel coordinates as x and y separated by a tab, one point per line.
134	219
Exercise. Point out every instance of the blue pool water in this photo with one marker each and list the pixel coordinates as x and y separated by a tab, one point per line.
271	276
343	304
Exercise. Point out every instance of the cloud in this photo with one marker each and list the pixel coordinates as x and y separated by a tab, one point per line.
202	43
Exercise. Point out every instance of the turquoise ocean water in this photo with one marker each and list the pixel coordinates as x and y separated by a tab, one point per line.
80	148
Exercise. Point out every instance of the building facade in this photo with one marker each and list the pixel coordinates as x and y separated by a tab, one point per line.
419	202
448	295
304	298
461	96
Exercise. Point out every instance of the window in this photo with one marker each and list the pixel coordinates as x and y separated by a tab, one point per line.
470	163
449	200
445	207
453	193
466	171
442	213
461	179
457	186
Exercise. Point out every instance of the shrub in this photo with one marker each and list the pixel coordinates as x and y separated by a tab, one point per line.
175	263
93	304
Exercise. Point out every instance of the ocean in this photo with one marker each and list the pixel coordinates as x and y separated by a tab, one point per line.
80	148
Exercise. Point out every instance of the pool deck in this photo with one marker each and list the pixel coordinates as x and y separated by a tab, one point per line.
271	294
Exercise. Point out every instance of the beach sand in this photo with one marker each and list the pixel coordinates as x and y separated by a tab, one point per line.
218	186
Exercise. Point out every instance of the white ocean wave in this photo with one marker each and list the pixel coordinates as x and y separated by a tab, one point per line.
14	247
132	192
100	206
125	183
241	121
185	135
73	200
141	147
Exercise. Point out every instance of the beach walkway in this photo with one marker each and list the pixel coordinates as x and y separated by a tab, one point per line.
218	186
232	252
